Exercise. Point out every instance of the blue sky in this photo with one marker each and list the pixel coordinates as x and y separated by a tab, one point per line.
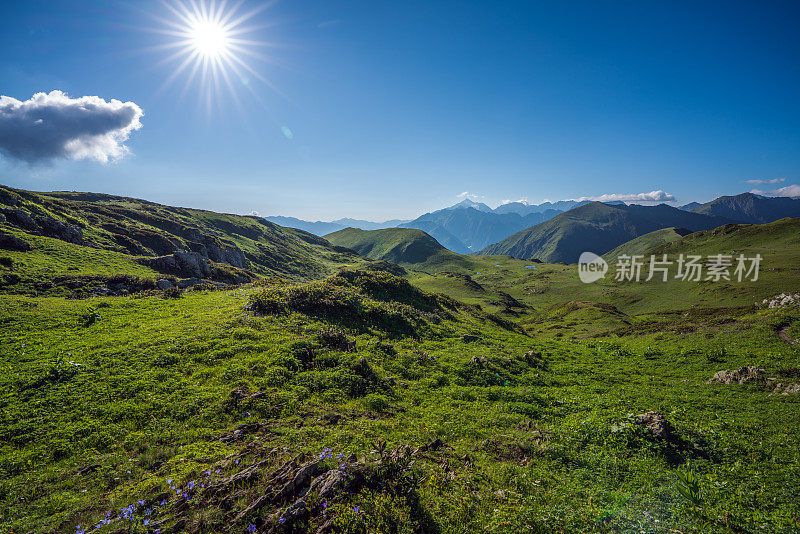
395	108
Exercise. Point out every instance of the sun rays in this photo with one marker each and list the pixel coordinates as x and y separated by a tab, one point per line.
211	45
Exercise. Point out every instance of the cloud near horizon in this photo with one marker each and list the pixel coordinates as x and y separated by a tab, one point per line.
523	200
771	181
652	196
792	191
52	125
467	194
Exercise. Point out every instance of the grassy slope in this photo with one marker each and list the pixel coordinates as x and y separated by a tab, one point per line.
595	227
137	227
552	284
404	246
138	389
151	390
51	257
643	243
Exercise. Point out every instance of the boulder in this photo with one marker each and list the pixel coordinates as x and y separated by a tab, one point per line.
164	284
654	424
10	242
744	374
60	230
188	282
20	218
329	483
193	263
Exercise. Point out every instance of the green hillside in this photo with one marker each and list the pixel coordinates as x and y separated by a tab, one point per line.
404	246
471	394
644	243
542	285
595	227
63	236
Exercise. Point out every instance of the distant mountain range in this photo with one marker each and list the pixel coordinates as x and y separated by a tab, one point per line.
321	228
596	227
553	231
467	230
599	227
750	208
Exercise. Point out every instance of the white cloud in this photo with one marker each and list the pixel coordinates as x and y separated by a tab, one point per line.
523	200
254	213
467	194
652	196
770	181
788	191
53	125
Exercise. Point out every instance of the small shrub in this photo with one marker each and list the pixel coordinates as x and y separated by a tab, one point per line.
717	355
376	403
335	339
90	317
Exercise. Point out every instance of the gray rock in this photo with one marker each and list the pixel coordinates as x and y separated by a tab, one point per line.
329	483
20	218
654	423
164	284
739	376
10	242
60	230
192	262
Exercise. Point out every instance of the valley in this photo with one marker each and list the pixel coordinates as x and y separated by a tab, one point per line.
374	381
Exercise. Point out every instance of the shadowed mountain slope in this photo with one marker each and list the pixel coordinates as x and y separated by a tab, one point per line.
596	227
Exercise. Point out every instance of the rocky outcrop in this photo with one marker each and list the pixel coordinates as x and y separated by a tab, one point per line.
748	373
10	242
180	262
164	284
654	424
43	225
778	301
51	227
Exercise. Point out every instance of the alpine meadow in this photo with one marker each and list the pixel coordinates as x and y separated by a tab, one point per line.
418	268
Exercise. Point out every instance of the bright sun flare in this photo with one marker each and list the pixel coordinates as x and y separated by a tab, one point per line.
209	38
210	43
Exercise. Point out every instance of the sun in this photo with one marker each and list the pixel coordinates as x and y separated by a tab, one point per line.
212	43
209	38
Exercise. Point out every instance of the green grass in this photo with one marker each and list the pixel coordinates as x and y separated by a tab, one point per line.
530	379
34	271
144	391
140	228
640	245
404	246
